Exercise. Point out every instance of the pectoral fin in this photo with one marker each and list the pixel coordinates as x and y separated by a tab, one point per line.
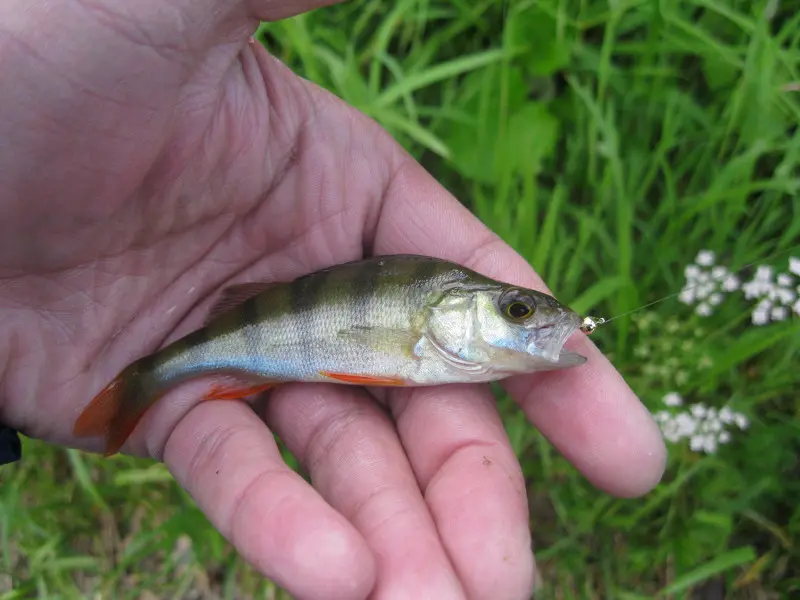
383	339
230	388
364	379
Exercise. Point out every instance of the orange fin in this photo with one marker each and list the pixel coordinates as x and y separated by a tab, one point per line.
233	296
113	413
96	417
364	379
236	391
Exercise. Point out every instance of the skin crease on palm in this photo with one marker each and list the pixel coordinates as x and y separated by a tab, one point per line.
153	154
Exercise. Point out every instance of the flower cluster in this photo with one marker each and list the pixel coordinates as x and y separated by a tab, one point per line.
705	427
706	283
775	298
671	350
775	295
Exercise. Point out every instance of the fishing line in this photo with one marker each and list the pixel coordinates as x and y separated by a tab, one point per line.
590	324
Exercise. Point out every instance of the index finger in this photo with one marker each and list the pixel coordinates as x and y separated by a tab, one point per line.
588	412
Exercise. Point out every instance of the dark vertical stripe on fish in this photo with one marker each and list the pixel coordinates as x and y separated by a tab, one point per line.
145	375
250	333
304	294
423	273
362	293
147	364
196	345
199	338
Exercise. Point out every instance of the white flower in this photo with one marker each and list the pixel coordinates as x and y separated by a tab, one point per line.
686	424
704	290
796	307
785	295
755	289
731	283
706	283
662	416
671	435
691	272
761	313
779	313
703	309
705	258
775	300
704	427
764	274
703	443
794	266
719	272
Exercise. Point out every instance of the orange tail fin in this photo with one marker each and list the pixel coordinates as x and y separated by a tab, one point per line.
118	408
114	412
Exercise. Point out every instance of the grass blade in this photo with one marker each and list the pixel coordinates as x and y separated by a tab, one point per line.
596	294
81	472
438	73
720	564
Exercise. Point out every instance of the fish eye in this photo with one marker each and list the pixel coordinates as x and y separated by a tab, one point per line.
516	305
519	310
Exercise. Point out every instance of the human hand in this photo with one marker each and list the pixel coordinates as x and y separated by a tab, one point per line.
152	156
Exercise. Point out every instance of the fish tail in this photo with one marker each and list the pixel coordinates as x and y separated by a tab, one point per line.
116	410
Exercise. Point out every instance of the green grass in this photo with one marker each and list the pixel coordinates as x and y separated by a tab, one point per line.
608	142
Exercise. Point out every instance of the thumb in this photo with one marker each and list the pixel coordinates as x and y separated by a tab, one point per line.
274	10
220	21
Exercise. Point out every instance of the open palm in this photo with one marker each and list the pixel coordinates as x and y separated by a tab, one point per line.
152	155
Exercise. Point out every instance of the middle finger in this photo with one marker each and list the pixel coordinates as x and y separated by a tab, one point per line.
358	465
473	485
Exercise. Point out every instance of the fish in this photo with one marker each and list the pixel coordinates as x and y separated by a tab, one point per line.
388	321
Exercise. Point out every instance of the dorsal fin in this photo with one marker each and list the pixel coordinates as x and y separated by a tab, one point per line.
234	295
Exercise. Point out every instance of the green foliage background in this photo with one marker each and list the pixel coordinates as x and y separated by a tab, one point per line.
608	142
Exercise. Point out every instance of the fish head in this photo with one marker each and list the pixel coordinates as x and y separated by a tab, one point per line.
497	330
526	330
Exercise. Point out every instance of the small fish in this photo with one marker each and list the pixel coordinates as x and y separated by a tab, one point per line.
401	320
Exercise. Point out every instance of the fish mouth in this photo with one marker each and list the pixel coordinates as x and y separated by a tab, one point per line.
553	348
570	359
